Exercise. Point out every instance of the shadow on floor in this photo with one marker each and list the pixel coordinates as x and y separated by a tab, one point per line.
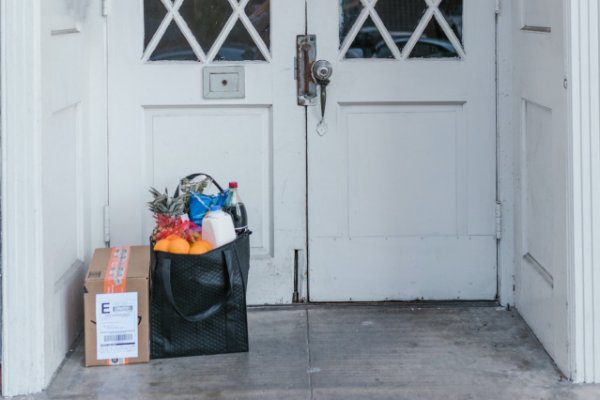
353	352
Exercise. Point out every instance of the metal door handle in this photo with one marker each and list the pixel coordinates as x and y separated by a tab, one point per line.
321	73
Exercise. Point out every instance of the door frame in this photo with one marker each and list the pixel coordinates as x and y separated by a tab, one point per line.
23	352
583	72
505	154
21	91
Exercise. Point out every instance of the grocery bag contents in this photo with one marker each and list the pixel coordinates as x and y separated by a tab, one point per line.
197	203
193	222
201	203
178	245
174	232
235	207
217	227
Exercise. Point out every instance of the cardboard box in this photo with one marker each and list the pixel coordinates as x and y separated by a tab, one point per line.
117	279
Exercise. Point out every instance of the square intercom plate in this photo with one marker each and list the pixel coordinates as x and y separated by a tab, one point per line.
224	82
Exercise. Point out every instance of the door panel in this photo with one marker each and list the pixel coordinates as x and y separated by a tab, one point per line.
391	268
402	187
65	150
539	183
541	100
399	153
235	136
162	128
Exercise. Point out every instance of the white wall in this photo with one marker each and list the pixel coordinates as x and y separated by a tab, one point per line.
54	166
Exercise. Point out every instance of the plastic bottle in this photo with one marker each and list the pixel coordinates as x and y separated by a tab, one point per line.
217	227
236	208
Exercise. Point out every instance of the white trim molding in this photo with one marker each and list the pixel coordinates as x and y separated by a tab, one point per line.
584	297
22	264
505	154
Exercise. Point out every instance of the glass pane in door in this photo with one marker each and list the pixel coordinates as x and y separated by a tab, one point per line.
206	19
403	22
154	13
173	46
434	43
195	27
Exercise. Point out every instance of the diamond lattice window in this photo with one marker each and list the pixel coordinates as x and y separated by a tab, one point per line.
207	30
399	30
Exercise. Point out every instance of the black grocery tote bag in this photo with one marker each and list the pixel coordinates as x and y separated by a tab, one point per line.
198	302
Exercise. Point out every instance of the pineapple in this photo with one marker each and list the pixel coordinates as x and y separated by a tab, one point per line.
169	215
166	205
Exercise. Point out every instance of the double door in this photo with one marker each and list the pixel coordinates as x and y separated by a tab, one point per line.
391	198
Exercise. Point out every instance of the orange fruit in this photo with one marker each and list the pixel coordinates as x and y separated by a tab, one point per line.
200	247
179	246
173	236
162	245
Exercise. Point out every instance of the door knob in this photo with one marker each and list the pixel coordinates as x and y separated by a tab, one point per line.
321	73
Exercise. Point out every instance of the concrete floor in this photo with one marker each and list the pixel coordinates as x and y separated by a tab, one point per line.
346	352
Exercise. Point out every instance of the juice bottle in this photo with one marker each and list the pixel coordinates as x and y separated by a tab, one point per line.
236	208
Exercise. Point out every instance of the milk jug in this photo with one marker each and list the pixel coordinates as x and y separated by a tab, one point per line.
217	227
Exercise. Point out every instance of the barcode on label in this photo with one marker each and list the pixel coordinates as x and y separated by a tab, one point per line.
118	338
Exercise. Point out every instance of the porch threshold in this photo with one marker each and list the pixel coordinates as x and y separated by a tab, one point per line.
380	304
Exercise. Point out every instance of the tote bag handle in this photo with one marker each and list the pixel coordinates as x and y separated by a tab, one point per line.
212	310
194	176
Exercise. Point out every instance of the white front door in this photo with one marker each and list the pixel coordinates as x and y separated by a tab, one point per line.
161	127
401	187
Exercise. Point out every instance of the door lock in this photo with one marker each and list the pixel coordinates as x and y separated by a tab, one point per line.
306	53
321	73
309	74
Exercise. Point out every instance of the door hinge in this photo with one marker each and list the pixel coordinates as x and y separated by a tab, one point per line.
498	220
498	8
105	7
107	225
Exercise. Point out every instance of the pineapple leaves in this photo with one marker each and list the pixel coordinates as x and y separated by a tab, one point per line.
186	186
164	204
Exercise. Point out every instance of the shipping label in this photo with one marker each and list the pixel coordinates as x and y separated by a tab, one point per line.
116	326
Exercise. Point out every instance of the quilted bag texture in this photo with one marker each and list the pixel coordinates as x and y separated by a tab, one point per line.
198	302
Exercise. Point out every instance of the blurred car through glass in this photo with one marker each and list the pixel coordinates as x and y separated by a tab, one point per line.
206	20
400	19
